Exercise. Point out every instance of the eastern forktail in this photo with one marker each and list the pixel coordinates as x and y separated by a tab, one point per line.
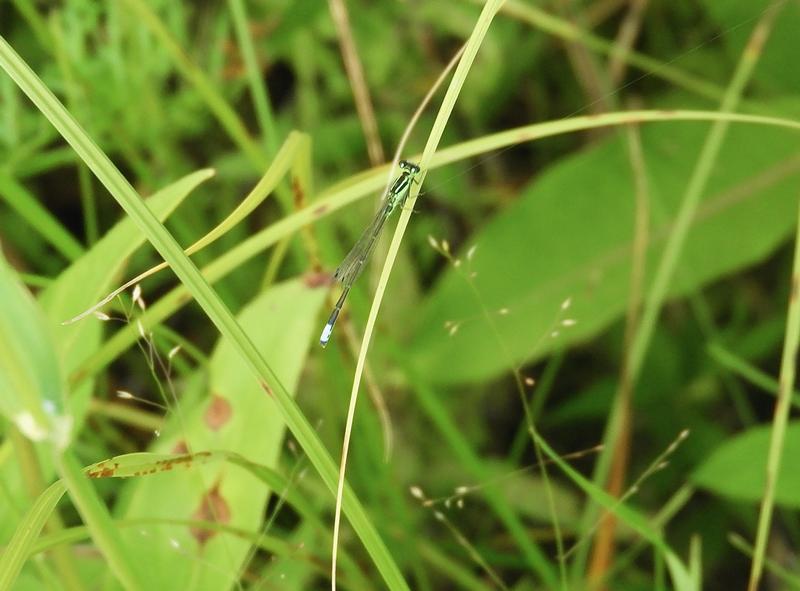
353	263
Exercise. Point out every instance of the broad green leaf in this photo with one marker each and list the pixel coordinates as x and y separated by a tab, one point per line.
237	416
737	18
89	278
737	468
569	236
31	382
82	284
26	540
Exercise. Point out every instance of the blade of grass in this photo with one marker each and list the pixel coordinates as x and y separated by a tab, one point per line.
42	221
651	66
635	354
34	478
16	551
749	372
364	184
355	73
626	38
780	419
216	310
97	518
263	188
680	574
226	116
604	547
88	201
473	44
258	87
432	406
792	580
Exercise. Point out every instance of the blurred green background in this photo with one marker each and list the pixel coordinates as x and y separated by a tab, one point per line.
543	253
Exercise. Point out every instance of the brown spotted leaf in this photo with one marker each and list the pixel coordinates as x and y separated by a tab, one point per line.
235	415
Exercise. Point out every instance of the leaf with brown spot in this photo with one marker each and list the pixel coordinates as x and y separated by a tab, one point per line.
282	323
180	447
317	279
218	413
214	508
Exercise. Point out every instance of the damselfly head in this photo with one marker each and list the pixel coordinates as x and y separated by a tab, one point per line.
409	166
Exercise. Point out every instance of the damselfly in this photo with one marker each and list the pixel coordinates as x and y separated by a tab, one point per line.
353	263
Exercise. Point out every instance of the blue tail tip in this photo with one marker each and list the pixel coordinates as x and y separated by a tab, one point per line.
326	334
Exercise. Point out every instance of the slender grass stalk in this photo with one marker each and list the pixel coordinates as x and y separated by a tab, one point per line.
603	551
216	310
16	551
226	116
34	479
479	31
792	580
450	569
586	69
780	419
88	201
471	551
626	37
365	184
635	354
99	522
258	88
430	403
358	82
536	401
568	32
28	10
749	372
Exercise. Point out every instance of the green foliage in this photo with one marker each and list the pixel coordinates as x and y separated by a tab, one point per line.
736	468
782	45
31	380
233	414
569	236
211	432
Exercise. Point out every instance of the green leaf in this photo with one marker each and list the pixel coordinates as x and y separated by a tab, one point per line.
737	468
89	278
781	48
26	540
31	382
569	236
17	550
235	416
216	310
82	284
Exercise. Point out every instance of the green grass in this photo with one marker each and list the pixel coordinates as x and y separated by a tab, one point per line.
210	432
